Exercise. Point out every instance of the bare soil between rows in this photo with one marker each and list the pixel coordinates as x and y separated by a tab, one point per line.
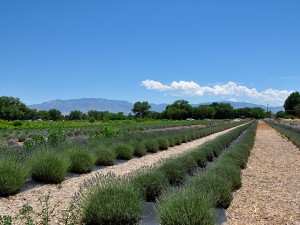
270	193
61	195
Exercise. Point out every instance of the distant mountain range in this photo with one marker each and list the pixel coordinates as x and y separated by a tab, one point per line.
114	106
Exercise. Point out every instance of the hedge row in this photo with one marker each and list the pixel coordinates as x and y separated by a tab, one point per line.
148	185
293	134
50	164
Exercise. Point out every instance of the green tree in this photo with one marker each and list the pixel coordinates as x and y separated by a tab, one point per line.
204	112
76	115
297	110
280	114
140	109
179	110
223	110
12	108
291	102
43	114
55	114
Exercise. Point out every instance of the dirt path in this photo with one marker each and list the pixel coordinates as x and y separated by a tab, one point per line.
271	183
63	193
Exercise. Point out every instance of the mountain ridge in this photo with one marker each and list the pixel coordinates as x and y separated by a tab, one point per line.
114	106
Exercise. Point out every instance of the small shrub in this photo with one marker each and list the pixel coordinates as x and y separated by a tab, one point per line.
200	157
18	123
82	161
49	167
163	143
188	162
12	176
139	149
177	140
174	171
104	156
56	136
172	141
214	186
124	152
111	202
230	172
151	184
185	206
151	146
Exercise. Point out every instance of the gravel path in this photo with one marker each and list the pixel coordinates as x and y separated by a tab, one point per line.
62	194
271	183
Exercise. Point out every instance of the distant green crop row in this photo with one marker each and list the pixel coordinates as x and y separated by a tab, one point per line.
111	200
98	129
293	134
50	163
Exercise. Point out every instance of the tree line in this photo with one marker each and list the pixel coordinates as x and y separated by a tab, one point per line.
13	109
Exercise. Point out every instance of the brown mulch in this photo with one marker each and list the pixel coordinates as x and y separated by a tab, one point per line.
270	193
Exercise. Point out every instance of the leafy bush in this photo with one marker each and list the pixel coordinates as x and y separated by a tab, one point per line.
18	123
151	146
111	201
12	176
185	206
124	152
151	184
56	136
82	161
104	156
48	166
163	143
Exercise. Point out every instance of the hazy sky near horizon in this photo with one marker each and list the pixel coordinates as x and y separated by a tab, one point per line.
159	51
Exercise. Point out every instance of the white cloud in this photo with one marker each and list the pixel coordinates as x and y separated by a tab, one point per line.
233	100
191	88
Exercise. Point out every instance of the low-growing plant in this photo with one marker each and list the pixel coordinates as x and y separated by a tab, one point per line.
139	148
174	170
151	146
230	172
200	157
185	206
124	152
12	176
48	166
151	184
215	186
188	162
163	143
110	201
104	156
82	161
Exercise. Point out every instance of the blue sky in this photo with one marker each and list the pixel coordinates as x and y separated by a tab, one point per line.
158	51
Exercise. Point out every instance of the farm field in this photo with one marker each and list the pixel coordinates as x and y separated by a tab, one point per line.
64	191
203	172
